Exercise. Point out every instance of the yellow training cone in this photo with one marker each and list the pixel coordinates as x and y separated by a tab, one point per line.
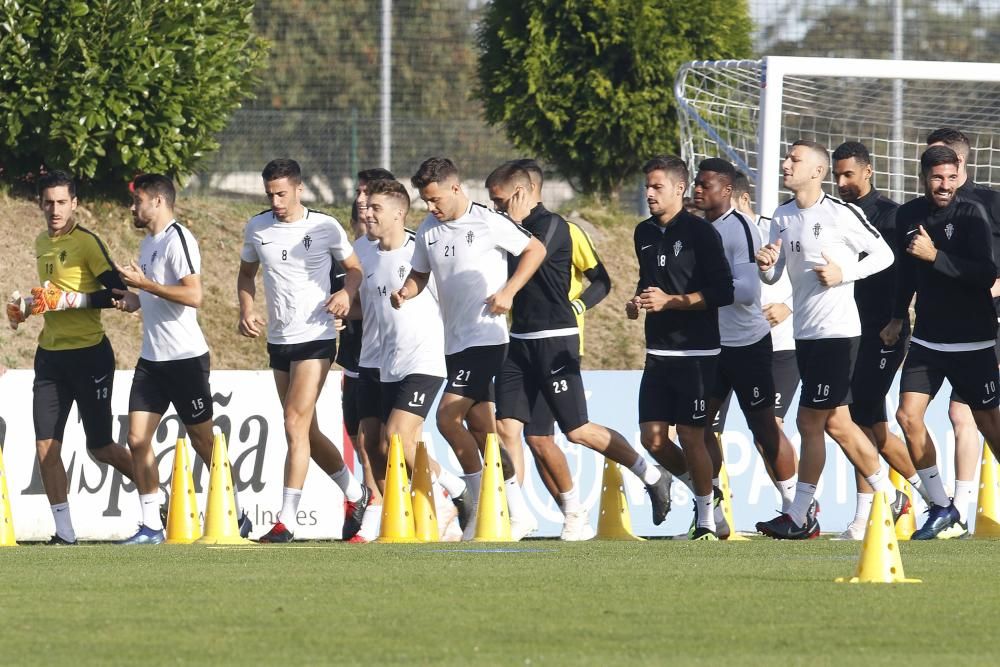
727	506
397	507
183	523
907	523
880	561
221	522
614	522
988	507
6	522
424	512
493	517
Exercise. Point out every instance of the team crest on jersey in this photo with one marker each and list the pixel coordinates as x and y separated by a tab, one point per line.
949	229
153	258
307	241
817	228
402	272
62	257
678	246
470	237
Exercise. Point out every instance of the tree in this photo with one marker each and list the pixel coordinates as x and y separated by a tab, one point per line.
587	85
111	88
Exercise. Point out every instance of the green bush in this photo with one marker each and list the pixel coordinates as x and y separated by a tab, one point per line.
587	85
111	88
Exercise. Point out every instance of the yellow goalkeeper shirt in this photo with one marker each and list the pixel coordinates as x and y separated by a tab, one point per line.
72	263
584	259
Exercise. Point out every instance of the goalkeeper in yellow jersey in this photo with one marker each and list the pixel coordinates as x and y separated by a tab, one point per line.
74	361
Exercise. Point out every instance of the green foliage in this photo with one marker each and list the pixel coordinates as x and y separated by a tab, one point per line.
110	88
587	85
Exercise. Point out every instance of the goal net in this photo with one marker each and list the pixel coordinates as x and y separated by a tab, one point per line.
750	111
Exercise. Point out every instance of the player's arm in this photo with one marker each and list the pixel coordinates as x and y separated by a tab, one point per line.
339	303
412	286
879	257
974	264
586	261
906	285
530	258
246	290
741	256
770	258
633	305
188	292
718	288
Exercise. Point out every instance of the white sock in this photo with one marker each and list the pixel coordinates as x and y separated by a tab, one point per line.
64	524
863	508
705	511
804	494
515	502
289	508
918	486
647	473
965	491
151	511
716	483
350	486
236	503
880	482
934	486
787	490
570	500
472	484
451	483
688	482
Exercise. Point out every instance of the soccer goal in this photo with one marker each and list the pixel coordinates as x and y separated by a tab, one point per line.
750	111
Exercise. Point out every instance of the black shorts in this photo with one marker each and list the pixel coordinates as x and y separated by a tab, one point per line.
349	404
471	372
543	370
785	372
86	376
826	366
874	371
282	356
183	382
747	371
368	395
974	375
675	389
955	395
414	394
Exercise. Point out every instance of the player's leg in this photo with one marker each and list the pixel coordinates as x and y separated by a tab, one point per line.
93	383
52	399
785	373
968	454
373	475
654	418
368	409
553	468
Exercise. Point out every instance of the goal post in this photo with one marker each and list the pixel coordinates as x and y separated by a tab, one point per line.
750	111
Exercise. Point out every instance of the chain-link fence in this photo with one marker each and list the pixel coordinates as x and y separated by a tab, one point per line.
323	99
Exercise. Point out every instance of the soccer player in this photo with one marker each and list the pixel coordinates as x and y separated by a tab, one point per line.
968	448
745	360
74	361
296	246
544	357
877	362
818	238
465	245
950	267
684	279
174	362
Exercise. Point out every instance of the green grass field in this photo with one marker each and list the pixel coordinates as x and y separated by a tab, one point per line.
537	602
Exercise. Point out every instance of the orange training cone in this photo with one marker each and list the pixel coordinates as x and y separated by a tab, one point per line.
6	522
183	523
988	507
907	524
397	506
493	517
424	512
614	522
880	561
221	526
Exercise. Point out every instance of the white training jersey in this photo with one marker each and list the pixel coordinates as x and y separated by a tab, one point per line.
782	337
412	336
296	261
841	232
468	257
169	329
370	340
741	323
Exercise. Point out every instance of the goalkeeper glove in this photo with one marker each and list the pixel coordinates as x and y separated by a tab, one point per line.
17	309
48	298
578	306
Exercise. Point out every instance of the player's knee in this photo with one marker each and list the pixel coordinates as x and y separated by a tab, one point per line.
960	416
906	419
48	452
296	423
137	442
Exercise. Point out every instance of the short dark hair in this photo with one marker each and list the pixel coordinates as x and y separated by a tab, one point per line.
507	174
853	149
670	165
741	184
719	166
374	174
534	169
434	170
157	185
389	187
937	155
56	179
282	167
952	138
815	147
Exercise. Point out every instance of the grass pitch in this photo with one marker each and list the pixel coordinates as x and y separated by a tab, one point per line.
533	603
